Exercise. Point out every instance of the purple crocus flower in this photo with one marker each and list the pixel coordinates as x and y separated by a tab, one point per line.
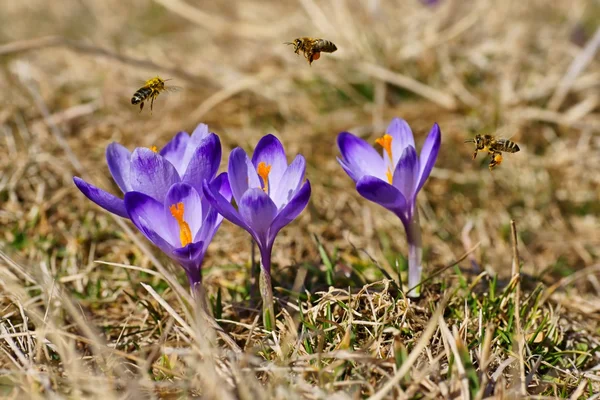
269	193
394	179
430	3
183	159
163	194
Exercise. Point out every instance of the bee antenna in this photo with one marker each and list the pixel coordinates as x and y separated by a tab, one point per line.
288	43
470	141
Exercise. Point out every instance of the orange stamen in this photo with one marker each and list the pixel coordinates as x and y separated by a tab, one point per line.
185	234
263	171
386	142
389	175
154	149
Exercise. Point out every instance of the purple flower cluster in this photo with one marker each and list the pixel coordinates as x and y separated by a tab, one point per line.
163	194
177	200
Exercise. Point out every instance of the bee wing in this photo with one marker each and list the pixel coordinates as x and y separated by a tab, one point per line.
506	132
173	89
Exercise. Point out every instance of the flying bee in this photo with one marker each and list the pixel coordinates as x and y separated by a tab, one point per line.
494	146
312	47
151	90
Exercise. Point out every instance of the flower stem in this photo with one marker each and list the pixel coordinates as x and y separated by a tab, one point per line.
266	292
194	275
415	254
199	295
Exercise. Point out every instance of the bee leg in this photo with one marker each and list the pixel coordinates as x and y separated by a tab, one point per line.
496	160
475	155
152	102
141	106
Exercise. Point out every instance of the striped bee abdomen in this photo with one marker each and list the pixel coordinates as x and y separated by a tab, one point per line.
141	95
508	146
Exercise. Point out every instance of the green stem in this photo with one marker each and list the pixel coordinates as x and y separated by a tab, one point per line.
415	255
266	292
199	296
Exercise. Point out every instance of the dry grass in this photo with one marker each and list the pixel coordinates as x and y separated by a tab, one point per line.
71	327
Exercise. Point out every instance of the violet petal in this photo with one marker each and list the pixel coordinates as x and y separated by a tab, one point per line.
348	169
242	174
402	137
152	174
360	157
119	164
148	215
290	182
382	193
270	151
218	185
204	162
258	211
198	135
109	202
191	255
174	151
209	226
407	173
429	154
224	207
291	210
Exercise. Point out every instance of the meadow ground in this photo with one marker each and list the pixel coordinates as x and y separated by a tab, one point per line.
89	309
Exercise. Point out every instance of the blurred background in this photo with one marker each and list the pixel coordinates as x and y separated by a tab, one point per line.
529	69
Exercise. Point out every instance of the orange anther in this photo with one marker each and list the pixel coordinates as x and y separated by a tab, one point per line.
386	142
263	171
185	234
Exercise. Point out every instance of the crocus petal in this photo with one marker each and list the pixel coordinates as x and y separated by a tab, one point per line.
148	215
291	210
174	151
429	154
199	134
104	199
204	162
360	157
348	170
270	151
119	165
402	137
190	256
221	182
209	226
242	174
152	174
224	207
382	193
258	211
407	173
192	212
220	185
290	182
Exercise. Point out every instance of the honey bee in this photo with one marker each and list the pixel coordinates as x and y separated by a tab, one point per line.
312	47
150	90
494	146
